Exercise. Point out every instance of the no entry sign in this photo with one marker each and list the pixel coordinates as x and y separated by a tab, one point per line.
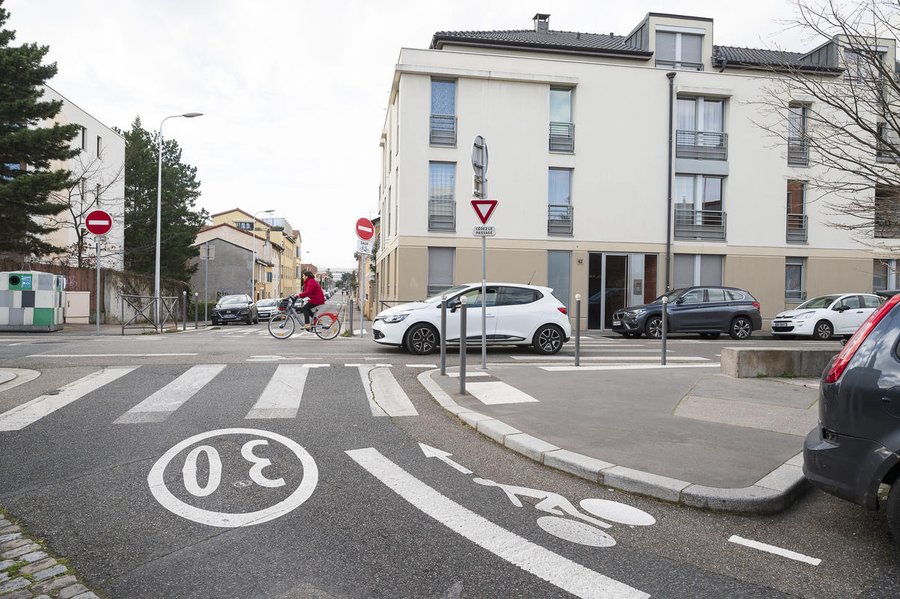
365	230
98	222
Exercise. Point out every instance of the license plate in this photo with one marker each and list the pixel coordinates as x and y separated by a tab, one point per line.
617	323
228	316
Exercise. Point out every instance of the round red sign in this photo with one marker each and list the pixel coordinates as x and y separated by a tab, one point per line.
98	222
365	230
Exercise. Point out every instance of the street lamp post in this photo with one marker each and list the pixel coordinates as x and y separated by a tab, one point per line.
156	293
253	260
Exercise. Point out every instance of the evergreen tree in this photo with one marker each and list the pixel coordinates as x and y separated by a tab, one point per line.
26	150
180	190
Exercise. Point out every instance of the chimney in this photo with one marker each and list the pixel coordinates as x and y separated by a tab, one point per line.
541	23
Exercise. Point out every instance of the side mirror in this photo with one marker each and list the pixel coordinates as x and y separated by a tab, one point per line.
841	309
453	306
679	301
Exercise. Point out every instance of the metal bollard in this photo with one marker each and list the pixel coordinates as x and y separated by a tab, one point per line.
443	335
665	326
183	312
462	345
196	310
350	315
577	329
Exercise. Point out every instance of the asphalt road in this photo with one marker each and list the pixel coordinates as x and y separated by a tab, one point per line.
182	476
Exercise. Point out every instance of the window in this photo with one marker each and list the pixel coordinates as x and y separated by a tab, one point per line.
99	146
870	301
884	274
798	143
84	138
700	129
269	277
473	297
517	296
697	269
244	225
559	201
887	144
862	65
441	196
679	50
715	294
559	274
794	290
440	270
562	131
694	296
887	212
851	303
443	113
796	211
698	207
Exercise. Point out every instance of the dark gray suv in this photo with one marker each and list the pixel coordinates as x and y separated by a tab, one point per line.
707	310
856	447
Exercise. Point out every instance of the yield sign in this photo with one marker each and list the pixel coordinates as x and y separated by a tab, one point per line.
484	209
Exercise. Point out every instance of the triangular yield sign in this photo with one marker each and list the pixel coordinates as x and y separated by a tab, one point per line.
484	209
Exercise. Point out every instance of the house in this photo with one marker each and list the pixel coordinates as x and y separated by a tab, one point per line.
623	165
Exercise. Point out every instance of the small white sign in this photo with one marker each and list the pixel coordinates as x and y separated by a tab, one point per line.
364	247
484	231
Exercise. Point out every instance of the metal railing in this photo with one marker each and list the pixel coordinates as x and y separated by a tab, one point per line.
559	219
796	228
144	316
699	224
798	151
680	64
441	215
562	137
701	145
442	130
794	295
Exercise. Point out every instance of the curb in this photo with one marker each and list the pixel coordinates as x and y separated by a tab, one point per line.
772	493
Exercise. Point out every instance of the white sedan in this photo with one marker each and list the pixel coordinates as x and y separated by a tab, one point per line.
826	315
515	314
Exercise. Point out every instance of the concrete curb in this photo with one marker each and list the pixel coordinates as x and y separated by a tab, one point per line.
773	493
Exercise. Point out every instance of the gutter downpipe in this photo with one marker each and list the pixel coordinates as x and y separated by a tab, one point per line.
671	76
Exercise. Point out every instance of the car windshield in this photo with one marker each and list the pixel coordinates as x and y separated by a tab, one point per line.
817	303
672	295
266	303
233	299
436	299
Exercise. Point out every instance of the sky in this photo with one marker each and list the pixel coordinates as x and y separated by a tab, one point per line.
294	93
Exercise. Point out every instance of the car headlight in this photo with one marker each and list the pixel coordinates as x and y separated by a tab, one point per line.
803	315
635	313
392	318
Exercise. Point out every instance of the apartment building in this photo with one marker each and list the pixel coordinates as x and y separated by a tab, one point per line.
622	164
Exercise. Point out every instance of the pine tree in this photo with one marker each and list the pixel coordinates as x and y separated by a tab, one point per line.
27	149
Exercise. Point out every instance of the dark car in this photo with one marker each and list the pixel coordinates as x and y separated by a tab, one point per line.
709	311
856	447
235	308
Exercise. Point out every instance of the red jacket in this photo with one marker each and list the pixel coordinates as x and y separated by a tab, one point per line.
313	291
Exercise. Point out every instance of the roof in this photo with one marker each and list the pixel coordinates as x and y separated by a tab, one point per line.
752	57
566	41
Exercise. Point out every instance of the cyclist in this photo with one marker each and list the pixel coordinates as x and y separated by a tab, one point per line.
313	294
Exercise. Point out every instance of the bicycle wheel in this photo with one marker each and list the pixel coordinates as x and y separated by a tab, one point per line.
327	326
281	326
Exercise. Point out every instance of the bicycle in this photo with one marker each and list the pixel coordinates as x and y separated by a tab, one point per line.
282	325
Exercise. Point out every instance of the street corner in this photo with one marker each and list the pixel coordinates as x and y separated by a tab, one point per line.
13	377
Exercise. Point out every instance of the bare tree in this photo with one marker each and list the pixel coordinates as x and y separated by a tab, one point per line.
836	108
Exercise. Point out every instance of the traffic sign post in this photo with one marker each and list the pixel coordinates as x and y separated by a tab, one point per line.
98	223
365	231
483	208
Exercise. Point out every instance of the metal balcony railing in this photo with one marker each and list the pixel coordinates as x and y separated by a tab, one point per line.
559	219
699	224
562	137
796	228
702	145
798	151
680	64
441	215
442	130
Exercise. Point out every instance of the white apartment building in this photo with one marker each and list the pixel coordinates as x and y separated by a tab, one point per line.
594	198
98	173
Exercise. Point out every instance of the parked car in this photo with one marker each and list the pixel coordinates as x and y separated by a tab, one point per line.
826	315
709	311
235	308
515	314
856	447
267	308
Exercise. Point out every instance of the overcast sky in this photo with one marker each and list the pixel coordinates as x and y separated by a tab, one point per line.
294	92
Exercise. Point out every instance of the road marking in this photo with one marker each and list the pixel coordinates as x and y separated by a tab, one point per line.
161	404
530	557
369	365
281	397
434	452
421	365
498	392
612	358
32	411
468	374
626	367
386	396
107	355
775	550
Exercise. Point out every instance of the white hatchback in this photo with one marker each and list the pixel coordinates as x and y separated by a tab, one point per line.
826	315
515	315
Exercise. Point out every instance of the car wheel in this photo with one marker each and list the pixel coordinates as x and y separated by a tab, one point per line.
421	339
823	330
710	335
741	328
548	340
653	328
892	511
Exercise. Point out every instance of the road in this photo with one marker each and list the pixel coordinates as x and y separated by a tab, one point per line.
224	463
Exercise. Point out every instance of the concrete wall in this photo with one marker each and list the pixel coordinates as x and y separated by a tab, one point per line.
229	271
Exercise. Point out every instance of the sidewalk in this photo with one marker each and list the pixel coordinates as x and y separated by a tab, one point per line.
679	433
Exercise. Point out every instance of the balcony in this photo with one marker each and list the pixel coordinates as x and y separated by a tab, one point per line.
693	224
682	65
798	151
443	130
559	219
562	137
441	215
701	145
796	228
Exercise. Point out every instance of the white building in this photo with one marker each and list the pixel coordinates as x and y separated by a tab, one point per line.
578	130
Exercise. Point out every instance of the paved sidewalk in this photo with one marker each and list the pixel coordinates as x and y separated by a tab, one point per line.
680	433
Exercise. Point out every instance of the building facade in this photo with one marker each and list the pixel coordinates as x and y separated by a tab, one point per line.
622	165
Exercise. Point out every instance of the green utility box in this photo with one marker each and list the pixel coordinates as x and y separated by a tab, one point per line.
31	301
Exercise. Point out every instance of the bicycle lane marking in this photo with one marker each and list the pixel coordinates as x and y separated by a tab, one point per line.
534	559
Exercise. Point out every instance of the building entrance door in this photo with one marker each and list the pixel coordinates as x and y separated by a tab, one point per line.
616	281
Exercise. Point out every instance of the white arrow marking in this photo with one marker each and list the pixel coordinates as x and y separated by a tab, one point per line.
433	452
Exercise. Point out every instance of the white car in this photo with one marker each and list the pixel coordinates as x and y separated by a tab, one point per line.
826	315
515	314
267	308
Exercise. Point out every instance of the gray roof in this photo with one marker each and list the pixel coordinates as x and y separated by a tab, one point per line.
567	41
752	57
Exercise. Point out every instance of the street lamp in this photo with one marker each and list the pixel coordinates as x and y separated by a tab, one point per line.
253	261
156	294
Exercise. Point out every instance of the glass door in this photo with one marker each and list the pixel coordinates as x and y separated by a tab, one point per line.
615	286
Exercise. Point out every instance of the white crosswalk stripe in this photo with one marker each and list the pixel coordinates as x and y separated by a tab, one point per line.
386	397
161	404
281	397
